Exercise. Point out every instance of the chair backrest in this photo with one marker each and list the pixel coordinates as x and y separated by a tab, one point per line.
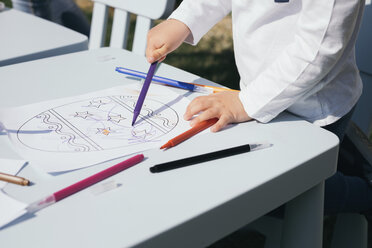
363	112
146	11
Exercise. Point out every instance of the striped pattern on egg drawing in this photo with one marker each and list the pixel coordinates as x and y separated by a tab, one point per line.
97	124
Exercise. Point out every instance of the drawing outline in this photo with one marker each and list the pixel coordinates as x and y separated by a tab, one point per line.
98	124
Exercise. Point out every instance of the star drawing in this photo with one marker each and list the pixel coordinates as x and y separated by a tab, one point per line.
83	115
116	118
96	104
105	131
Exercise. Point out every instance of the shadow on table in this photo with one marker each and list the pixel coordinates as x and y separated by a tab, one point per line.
165	106
20	219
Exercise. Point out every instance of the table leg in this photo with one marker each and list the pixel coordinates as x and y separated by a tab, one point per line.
303	220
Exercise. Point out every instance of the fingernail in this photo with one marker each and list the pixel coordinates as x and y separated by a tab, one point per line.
151	60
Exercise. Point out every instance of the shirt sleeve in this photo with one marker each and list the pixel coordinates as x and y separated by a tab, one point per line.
200	16
323	31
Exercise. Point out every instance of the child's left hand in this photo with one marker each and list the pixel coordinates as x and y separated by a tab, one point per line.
226	106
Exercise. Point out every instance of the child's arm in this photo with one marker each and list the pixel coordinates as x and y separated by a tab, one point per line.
324	31
188	23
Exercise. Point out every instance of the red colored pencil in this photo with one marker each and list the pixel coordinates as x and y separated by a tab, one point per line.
76	187
189	133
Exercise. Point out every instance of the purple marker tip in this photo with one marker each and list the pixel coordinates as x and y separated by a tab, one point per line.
135	115
143	92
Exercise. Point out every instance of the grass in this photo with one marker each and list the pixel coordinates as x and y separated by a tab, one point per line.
8	3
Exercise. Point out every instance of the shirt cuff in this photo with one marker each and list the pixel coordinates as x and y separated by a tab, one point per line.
251	107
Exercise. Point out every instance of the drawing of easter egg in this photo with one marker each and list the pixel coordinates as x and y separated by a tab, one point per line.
97	124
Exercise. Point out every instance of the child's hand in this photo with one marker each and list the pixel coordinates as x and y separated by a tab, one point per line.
226	106
165	38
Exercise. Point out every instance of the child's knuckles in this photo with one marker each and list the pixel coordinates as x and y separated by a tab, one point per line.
197	100
213	112
166	48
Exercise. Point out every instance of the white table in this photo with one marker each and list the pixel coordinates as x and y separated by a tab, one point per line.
25	37
188	207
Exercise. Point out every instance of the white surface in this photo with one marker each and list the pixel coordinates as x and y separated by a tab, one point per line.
188	207
10	209
304	216
143	26
120	27
11	167
98	27
26	37
75	132
152	9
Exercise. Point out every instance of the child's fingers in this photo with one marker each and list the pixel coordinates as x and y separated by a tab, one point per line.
206	115
156	54
149	48
196	106
161	59
152	59
221	123
160	53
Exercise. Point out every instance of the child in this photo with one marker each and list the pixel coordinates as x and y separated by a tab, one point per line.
294	55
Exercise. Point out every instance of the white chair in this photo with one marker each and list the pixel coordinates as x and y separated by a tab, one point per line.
146	11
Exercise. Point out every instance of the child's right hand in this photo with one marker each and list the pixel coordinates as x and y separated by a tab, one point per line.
165	38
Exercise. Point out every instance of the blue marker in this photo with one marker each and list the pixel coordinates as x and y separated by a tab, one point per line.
167	81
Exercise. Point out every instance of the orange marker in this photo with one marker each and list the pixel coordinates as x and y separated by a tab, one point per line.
189	133
214	89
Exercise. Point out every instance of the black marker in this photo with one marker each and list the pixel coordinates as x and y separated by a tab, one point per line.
207	157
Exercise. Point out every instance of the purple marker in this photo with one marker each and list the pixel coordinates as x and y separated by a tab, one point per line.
143	92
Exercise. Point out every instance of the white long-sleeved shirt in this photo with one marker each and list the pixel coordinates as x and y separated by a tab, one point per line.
297	56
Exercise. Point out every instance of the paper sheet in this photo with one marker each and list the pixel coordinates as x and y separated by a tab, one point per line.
10	209
75	132
11	167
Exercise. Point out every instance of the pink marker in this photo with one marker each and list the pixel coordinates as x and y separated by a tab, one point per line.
76	187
